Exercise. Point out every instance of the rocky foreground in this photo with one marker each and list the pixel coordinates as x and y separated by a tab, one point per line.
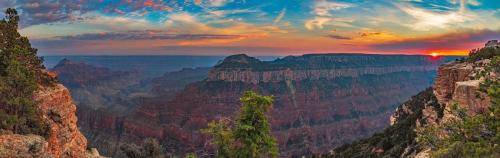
64	138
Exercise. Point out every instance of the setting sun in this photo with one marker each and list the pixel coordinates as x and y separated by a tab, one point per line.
434	54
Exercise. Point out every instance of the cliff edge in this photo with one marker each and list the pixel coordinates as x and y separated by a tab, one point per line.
427	124
63	139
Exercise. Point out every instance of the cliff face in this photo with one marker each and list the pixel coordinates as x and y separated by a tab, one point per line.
115	106
321	101
63	140
98	87
250	70
457	84
250	76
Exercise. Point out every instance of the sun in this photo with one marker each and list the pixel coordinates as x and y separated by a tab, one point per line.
434	54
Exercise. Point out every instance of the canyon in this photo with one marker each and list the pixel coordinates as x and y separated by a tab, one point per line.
321	101
457	95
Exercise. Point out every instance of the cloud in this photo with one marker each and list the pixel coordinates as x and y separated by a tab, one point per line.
338	37
159	6
188	23
322	11
463	3
34	12
224	13
366	34
320	22
323	7
145	35
212	3
425	20
88	23
464	40
280	16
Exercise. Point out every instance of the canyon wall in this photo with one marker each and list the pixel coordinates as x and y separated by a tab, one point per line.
247	75
321	101
459	92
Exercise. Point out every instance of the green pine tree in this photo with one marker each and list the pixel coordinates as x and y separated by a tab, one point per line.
251	134
20	75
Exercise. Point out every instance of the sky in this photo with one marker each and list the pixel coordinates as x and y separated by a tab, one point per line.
256	27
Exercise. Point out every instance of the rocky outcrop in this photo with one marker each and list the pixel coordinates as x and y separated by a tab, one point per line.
492	43
447	77
64	138
15	145
456	83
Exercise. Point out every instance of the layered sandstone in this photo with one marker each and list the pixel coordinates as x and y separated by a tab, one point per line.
456	83
247	69
56	105
246	75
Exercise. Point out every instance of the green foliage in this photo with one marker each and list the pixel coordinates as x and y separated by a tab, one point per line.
483	53
150	148
190	155
222	136
20	75
495	64
396	139
469	136
250	135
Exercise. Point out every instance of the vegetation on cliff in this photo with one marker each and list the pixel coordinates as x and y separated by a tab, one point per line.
483	53
20	75
446	129
471	136
250	135
150	148
394	140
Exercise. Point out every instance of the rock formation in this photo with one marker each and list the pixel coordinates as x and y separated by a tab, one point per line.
64	138
457	85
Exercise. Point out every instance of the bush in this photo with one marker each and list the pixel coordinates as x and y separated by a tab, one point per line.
150	148
483	53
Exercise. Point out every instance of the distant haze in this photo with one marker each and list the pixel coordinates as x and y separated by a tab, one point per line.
151	66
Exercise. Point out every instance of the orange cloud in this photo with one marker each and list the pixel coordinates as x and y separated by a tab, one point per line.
150	3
